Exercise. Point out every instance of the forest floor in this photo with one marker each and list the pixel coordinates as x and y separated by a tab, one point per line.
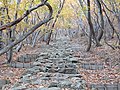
109	58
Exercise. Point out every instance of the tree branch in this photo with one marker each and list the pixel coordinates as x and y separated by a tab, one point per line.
8	47
26	13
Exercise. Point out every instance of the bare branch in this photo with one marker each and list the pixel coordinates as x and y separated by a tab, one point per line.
31	30
26	13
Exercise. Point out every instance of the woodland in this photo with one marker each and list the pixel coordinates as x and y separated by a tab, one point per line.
59	44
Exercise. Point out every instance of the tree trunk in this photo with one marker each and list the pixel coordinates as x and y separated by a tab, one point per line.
10	52
35	38
113	27
1	42
92	33
55	20
101	20
2	12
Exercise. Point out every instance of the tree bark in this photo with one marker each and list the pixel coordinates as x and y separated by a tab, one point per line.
101	20
92	33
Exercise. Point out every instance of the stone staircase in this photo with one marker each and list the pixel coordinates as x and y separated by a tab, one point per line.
55	68
24	61
105	86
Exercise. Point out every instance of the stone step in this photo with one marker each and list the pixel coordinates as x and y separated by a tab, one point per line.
27	58
56	68
105	87
20	65
3	82
92	66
